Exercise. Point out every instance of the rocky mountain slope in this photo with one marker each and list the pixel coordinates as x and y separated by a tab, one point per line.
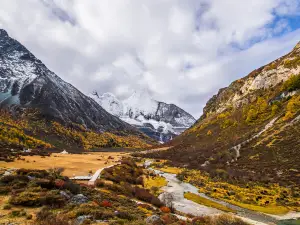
27	83
249	130
159	120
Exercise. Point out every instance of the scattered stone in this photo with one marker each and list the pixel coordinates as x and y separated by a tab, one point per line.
154	220
64	194
6	173
79	199
31	177
81	219
102	221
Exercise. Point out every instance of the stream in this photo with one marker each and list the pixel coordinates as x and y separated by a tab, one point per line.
181	204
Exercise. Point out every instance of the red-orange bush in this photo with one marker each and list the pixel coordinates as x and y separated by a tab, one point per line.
59	183
105	203
165	209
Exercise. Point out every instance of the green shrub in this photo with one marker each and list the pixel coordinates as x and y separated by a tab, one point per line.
6	207
103	214
224	219
124	188
52	198
228	123
126	222
145	195
252	115
127	171
257	112
292	63
18	184
99	183
292	107
26	199
18	213
10	178
29	217
33	173
125	215
276	106
292	84
46	217
44	183
72	187
43	214
5	190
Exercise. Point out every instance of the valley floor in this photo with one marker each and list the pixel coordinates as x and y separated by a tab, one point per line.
119	181
73	164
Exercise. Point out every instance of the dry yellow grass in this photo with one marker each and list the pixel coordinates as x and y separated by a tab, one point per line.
155	182
74	164
173	170
204	201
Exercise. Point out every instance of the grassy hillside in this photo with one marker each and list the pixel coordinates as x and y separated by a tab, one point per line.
250	130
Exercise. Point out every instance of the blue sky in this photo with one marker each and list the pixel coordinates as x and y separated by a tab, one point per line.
294	22
181	51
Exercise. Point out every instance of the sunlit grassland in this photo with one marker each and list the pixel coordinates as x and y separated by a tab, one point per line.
271	199
204	201
156	181
173	170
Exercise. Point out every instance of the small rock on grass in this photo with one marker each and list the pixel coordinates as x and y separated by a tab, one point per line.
154	220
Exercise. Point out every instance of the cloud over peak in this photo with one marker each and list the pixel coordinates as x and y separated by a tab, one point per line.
182	51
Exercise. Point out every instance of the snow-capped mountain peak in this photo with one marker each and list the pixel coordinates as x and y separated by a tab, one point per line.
139	103
141	110
140	94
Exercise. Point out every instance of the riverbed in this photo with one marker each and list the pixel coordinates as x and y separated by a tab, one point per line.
177	188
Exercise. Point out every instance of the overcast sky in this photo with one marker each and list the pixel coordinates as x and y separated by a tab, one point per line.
182	51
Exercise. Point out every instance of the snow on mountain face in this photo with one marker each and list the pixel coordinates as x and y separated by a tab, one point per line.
141	106
16	69
157	119
109	102
26	81
140	103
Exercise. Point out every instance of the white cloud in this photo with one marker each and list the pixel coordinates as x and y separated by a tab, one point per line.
182	51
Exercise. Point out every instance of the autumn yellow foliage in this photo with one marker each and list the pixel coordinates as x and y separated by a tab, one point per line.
12	133
25	129
89	139
252	196
258	111
292	107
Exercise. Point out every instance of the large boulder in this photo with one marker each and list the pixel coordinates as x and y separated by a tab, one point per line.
79	199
